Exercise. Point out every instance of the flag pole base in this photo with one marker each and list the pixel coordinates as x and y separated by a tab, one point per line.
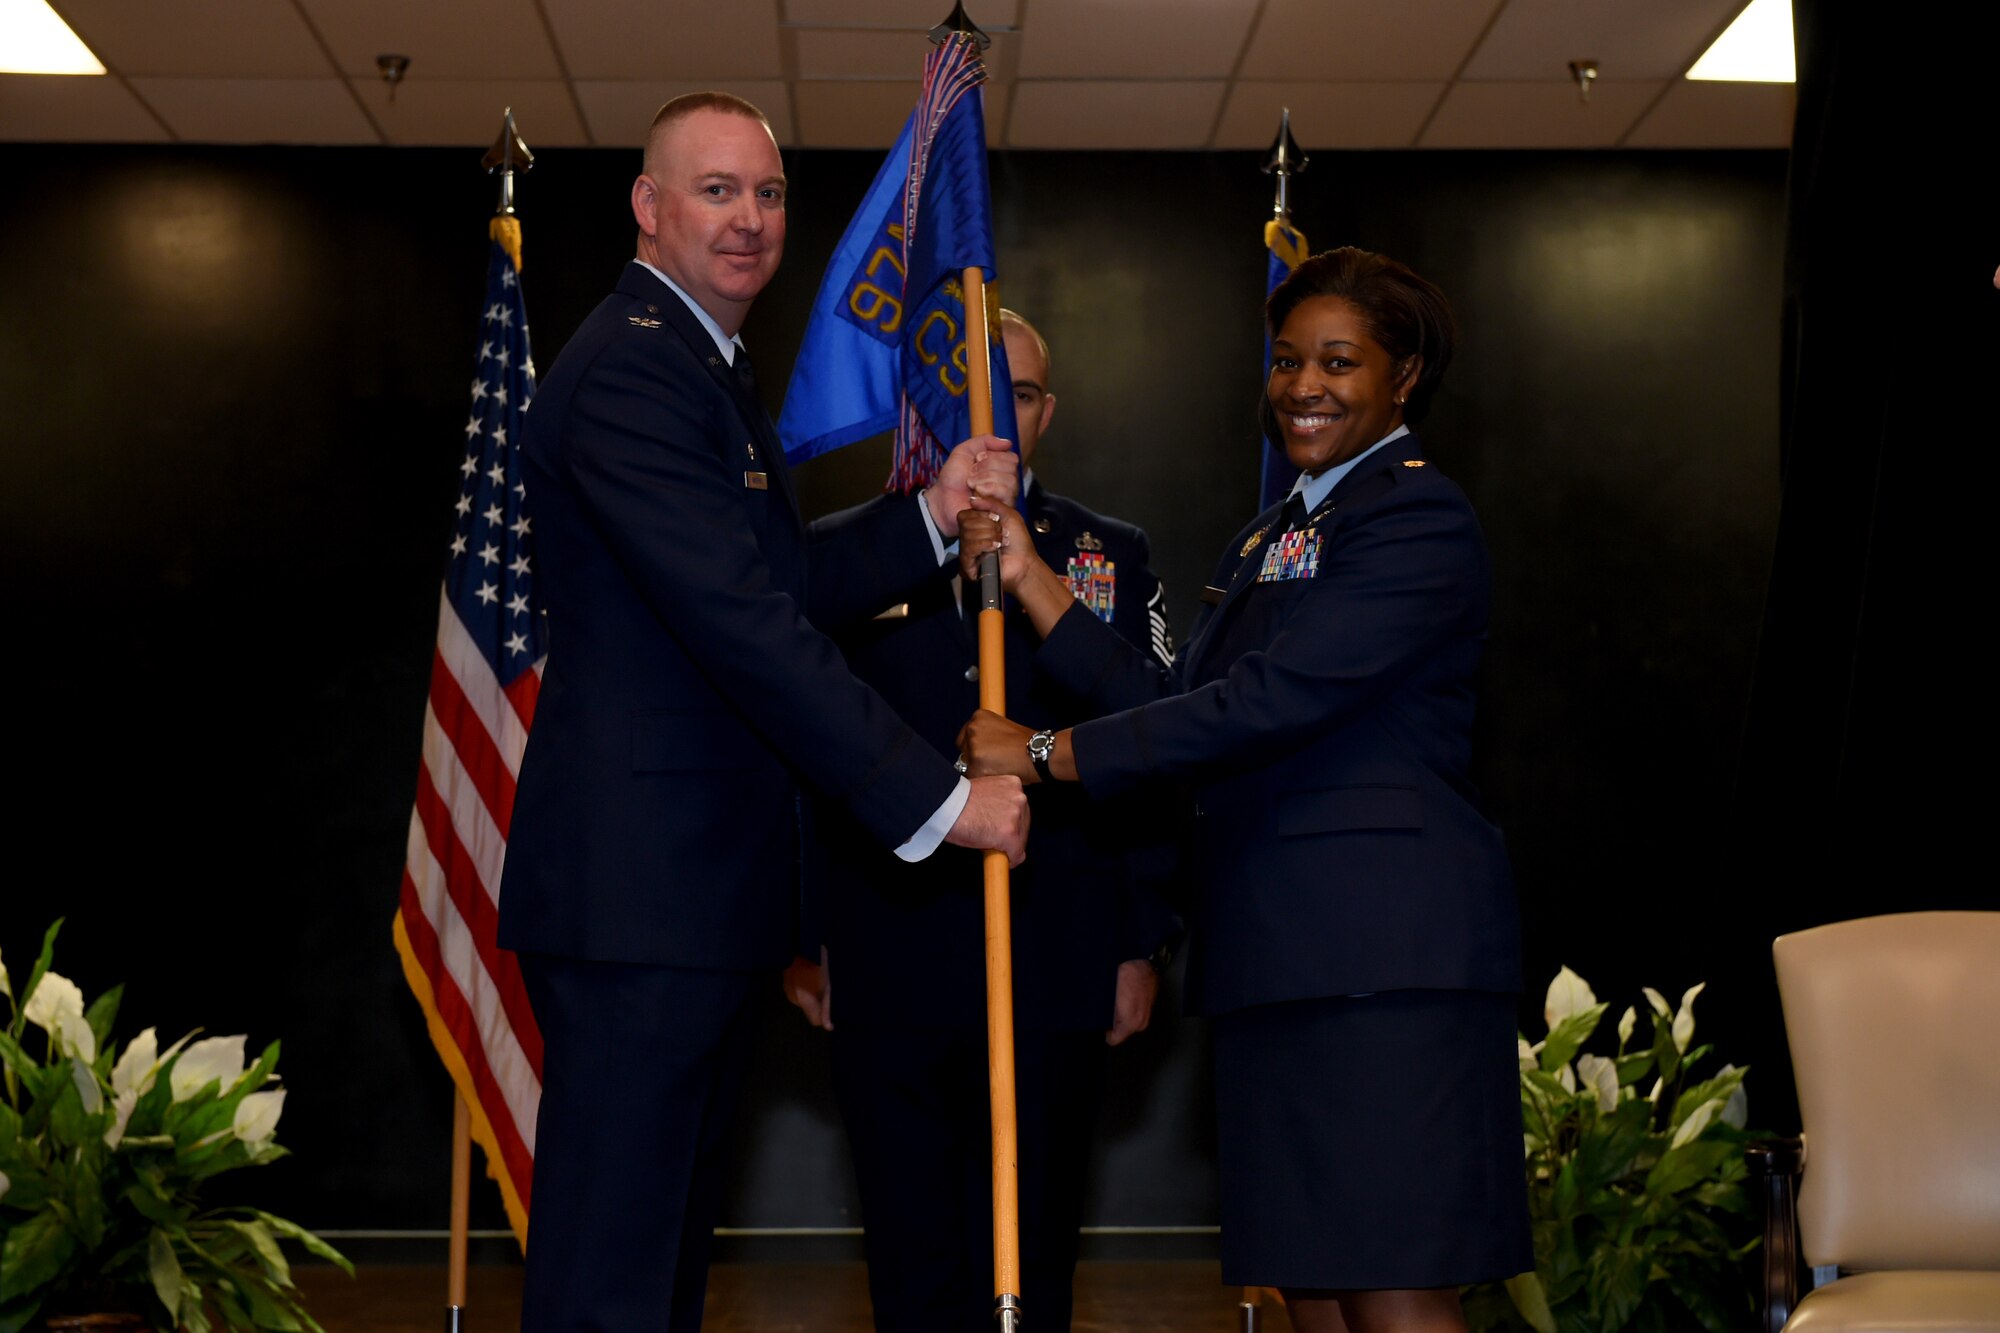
1007	1313
1251	1322
454	1319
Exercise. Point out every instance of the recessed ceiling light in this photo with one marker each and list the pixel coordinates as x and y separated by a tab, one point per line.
1756	48
35	40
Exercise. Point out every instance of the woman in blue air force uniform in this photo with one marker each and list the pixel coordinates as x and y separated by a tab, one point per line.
1355	939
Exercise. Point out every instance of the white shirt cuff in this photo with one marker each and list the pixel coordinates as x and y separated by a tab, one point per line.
944	553
926	839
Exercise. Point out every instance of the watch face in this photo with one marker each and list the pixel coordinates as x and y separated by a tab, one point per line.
1041	745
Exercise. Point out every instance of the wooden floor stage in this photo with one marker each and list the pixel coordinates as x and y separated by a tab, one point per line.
1111	1297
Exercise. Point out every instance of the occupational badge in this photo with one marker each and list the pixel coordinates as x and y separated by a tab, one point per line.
1250	542
1093	581
1293	556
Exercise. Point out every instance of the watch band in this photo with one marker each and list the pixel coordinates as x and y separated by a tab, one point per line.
1040	746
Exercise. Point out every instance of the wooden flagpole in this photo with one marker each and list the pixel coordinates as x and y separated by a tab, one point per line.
999	910
461	1211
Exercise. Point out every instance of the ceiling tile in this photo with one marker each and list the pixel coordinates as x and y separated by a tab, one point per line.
250	39
855	53
991	15
1719	115
315	111
643	39
65	108
854	114
1659	39
619	111
1136	39
1328	115
1113	115
1364	40
468	111
1536	115
444	39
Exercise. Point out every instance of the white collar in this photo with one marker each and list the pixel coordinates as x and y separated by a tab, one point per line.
1316	489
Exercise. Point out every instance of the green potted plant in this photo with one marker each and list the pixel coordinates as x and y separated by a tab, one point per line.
104	1153
1635	1179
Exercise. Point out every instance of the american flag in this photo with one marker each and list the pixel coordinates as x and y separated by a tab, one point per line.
485	675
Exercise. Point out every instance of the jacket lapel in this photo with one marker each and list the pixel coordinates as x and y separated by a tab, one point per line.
1247	564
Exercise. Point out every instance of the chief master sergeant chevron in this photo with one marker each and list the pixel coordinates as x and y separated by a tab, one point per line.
651	875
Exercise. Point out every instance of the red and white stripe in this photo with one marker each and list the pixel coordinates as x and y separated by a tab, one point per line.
474	733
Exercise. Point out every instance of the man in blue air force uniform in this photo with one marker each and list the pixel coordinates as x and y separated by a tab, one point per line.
652	873
906	942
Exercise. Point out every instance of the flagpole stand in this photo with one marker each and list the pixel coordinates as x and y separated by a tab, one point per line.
461	1211
1251	1311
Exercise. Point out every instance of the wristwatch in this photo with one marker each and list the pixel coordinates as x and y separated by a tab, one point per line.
1040	746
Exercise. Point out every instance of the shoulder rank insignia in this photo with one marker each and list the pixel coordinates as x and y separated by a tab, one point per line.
642	321
1088	541
1413	462
1042	525
1250	542
1093	581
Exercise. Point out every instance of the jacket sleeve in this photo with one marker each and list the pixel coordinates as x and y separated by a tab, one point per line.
863	559
1393	589
660	499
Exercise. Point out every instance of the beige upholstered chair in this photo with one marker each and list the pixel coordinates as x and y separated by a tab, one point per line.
1894	1024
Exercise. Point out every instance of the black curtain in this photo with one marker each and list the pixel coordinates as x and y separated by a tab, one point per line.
1865	777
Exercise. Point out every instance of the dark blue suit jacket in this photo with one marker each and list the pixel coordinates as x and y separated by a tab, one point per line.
1326	724
906	942
685	693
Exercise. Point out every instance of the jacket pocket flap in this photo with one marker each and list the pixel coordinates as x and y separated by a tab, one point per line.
1345	809
690	743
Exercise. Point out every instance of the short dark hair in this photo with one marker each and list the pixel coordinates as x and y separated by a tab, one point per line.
1403	311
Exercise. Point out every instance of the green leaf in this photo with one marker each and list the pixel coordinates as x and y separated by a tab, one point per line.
1633	1069
163	1266
1717	1089
1688	1165
265	1246
1533	1303
313	1244
48	955
10	1130
16	1059
102	1013
1568	1036
1621	1284
32	1253
68	1121
86	1194
19	1314
1608	1151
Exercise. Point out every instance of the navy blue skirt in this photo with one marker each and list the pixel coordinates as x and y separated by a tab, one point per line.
1371	1141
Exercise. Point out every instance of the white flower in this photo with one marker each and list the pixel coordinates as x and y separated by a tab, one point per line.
1695	1123
1657	1000
1626	1022
1568	994
1684	1020
86	1086
1653	1097
257	1118
121	1115
136	1067
1567	1077
1526	1053
1602	1075
214	1059
56	1007
6	989
5	1184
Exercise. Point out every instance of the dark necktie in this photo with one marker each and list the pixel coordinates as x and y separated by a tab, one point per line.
1293	515
746	374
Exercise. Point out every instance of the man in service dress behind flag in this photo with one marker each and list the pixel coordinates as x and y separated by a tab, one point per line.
1092	929
652	870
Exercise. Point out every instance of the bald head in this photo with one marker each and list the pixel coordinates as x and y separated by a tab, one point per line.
1028	359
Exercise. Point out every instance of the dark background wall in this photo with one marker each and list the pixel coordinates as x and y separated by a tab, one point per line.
231	387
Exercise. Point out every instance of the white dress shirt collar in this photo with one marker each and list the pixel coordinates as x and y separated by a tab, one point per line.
723	342
1316	489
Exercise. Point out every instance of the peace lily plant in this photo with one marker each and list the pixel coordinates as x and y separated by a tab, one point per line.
103	1156
1635	1179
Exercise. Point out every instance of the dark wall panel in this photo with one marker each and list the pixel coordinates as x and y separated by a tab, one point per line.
231	390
